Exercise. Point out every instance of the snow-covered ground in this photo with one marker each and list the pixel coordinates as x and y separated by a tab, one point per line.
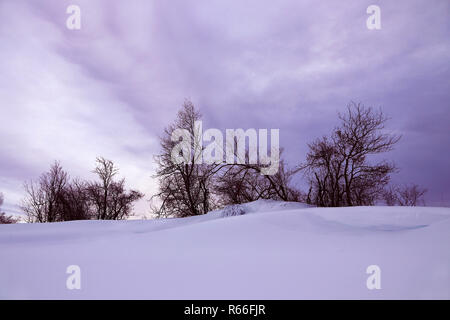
276	250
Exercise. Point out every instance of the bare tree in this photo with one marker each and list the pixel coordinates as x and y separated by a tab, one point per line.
109	199
43	202
337	166
54	197
4	219
240	183
184	188
193	187
99	192
411	195
406	195
75	201
390	196
120	203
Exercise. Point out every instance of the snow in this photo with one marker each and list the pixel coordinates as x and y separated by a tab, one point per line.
277	250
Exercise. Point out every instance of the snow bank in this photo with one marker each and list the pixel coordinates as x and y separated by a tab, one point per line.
276	250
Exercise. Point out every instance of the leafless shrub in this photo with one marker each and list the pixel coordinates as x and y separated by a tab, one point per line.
406	195
241	183
233	210
4	219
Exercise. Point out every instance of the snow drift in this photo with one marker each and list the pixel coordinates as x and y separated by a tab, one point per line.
276	250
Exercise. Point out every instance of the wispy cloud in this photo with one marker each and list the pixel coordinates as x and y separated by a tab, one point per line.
109	88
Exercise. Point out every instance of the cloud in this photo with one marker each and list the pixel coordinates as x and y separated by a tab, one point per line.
110	88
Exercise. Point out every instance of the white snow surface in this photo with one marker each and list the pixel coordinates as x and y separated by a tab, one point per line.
277	250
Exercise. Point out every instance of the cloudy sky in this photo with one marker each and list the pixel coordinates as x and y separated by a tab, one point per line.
110	88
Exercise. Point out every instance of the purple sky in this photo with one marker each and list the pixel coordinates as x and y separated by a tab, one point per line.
110	88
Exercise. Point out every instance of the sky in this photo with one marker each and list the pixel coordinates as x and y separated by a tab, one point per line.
110	88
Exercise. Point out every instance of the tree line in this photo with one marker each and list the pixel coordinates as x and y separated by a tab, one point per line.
55	197
338	170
